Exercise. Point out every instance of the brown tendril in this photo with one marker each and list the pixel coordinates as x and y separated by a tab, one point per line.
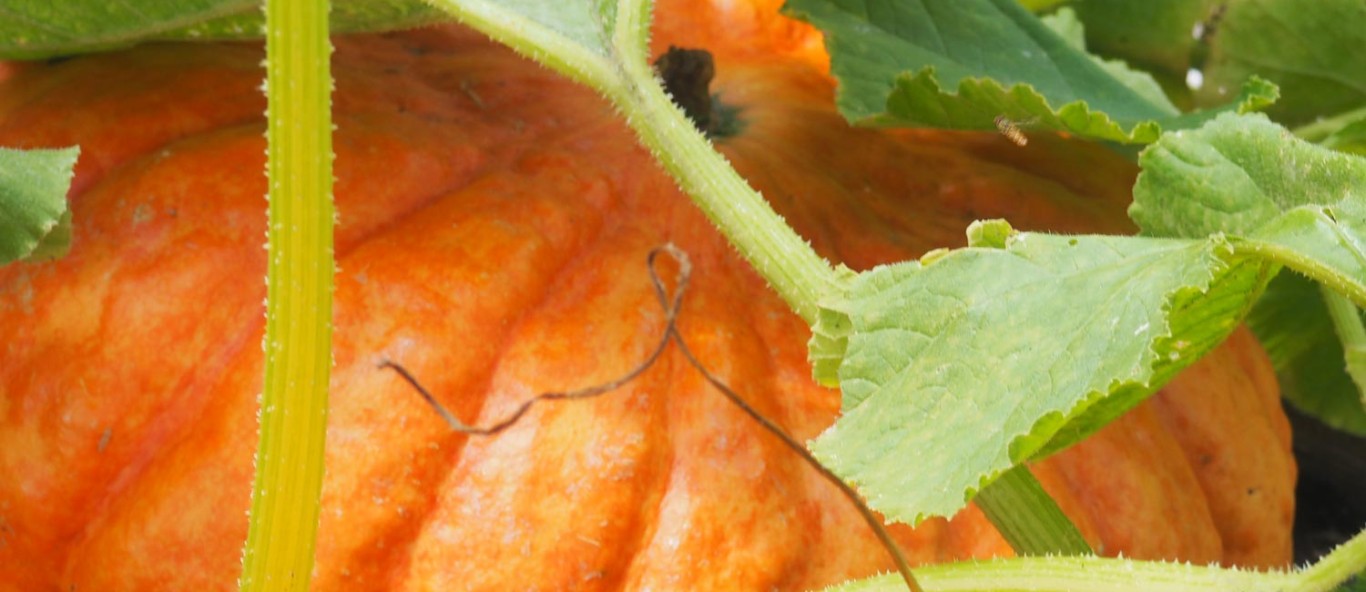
671	305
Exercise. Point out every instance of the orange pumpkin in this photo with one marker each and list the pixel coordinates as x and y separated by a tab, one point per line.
493	224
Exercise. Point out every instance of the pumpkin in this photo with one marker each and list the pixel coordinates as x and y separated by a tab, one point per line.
494	220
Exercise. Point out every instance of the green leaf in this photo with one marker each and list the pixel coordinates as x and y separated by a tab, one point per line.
1235	175
1291	201
1313	50
961	64
34	220
1160	36
1027	348
1284	198
1064	22
32	29
1294	327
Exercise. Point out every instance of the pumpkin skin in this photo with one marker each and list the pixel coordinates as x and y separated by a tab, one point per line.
493	225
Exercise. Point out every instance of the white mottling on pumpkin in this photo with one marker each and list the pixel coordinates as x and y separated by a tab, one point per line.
446	534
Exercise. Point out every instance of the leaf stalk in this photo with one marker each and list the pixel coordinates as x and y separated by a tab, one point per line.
1033	524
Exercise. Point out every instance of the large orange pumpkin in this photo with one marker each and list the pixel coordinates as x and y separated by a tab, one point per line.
494	220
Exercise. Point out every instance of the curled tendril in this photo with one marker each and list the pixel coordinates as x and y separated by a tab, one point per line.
672	303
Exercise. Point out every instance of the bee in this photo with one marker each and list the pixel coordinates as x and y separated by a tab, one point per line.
1011	130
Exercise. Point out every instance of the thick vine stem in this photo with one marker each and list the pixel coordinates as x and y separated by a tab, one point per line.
1104	574
1081	574
298	343
1333	569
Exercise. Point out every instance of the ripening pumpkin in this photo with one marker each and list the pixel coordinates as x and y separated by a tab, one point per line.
494	220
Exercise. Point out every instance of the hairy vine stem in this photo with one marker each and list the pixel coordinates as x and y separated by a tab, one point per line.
672	303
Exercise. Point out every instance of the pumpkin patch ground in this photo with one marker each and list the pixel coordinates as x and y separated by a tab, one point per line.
494	220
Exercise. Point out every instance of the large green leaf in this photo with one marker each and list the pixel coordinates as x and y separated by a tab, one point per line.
32	29
1027	348
1292	201
34	220
1295	202
962	64
1313	50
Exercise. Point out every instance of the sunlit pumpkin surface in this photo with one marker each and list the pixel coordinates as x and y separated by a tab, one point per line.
494	221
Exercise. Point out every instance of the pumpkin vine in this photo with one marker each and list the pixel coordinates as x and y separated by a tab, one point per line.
298	341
